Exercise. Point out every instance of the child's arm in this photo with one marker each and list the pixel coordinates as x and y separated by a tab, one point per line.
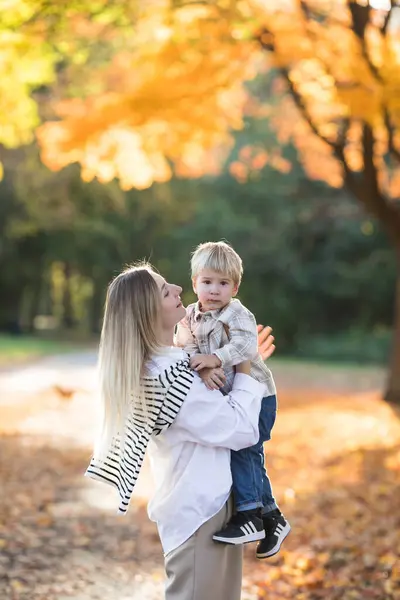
204	361
184	338
243	343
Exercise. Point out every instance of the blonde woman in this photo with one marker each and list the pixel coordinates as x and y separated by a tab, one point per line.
153	401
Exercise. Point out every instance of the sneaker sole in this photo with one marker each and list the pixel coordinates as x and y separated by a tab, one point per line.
277	547
243	539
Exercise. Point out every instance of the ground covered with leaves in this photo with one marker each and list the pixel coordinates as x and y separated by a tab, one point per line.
335	464
335	461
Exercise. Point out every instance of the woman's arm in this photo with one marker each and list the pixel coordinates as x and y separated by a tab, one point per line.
210	418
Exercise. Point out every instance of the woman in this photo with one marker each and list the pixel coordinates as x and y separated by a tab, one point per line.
150	394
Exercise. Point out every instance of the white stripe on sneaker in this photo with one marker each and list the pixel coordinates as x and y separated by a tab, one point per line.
253	527
244	539
283	533
248	527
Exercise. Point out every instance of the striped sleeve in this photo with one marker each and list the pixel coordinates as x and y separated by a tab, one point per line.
164	397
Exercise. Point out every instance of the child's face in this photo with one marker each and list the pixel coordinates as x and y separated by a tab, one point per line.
214	290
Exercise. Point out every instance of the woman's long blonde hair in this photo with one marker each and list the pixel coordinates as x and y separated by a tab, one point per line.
129	336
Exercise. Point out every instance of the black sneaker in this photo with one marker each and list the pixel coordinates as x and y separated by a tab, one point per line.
245	526
276	530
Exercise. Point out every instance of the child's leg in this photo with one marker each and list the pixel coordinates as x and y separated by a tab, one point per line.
247	478
275	525
268	500
246	525
266	424
250	484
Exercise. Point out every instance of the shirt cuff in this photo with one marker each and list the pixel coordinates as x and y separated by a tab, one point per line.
249	384
192	351
223	355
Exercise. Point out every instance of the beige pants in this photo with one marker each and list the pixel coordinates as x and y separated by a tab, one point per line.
201	569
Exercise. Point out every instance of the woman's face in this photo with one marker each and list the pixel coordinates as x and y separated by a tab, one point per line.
172	310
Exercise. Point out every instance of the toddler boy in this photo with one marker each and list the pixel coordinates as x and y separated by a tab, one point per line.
218	331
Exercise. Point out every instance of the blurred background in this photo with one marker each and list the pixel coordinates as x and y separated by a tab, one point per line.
220	120
134	129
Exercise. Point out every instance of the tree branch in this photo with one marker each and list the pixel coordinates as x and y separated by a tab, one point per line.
266	40
386	20
369	193
392	148
319	15
364	185
360	18
298	100
350	179
370	170
309	16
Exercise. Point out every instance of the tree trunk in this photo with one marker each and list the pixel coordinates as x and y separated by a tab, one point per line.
392	393
97	304
68	318
33	311
10	308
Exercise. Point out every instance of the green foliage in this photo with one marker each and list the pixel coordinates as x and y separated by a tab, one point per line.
354	345
309	268
316	268
15	349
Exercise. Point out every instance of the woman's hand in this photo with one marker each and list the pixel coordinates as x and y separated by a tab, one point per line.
266	346
243	367
213	378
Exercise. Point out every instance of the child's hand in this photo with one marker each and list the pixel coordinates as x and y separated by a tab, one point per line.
213	378
204	361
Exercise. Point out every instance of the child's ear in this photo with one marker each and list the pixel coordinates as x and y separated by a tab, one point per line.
235	290
194	284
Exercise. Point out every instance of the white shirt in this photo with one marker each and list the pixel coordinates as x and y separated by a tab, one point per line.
190	461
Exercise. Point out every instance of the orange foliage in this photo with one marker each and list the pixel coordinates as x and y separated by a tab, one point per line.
337	78
254	158
174	97
170	95
335	464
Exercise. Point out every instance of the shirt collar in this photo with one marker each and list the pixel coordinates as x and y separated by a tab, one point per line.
214	313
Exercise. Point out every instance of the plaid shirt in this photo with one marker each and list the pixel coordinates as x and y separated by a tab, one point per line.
231	334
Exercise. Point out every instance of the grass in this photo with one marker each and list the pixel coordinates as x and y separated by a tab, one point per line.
23	348
293	372
322	364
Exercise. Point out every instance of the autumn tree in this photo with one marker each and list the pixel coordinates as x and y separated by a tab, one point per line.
340	62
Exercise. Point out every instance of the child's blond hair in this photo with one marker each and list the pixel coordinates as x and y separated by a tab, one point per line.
219	257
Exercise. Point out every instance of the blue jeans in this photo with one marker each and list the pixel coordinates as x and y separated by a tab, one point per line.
251	485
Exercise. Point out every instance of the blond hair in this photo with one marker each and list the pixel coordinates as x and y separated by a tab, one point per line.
219	257
129	336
